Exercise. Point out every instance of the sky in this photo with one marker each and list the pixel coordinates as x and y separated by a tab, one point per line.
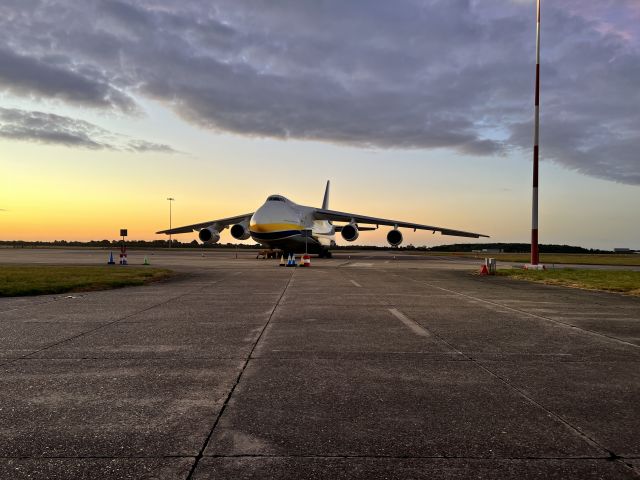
419	111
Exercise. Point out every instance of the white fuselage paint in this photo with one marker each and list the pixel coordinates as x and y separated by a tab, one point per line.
281	223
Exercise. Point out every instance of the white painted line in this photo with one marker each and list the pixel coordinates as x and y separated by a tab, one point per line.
360	264
529	314
413	326
355	283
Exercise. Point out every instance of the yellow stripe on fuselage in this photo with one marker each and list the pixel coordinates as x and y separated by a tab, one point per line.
274	227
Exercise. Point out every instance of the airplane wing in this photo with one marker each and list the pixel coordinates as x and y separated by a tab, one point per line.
220	224
339	228
332	215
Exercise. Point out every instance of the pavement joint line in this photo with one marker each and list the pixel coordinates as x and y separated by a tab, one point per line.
177	359
57	298
572	428
328	456
64	296
30	355
524	312
411	324
418	457
93	457
531	400
355	283
239	377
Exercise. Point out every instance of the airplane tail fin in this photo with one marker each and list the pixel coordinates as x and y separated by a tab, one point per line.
325	200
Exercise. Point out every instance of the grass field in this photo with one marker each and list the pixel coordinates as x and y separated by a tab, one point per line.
20	280
621	281
632	259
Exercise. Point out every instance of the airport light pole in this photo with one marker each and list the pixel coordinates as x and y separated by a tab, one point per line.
535	256
171	200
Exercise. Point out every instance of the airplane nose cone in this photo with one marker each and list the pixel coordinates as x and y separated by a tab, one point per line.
271	221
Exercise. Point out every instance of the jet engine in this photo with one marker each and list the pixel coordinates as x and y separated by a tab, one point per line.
394	237
240	231
209	235
350	232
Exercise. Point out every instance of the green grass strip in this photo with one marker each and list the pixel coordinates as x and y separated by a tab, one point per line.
621	281
620	259
23	280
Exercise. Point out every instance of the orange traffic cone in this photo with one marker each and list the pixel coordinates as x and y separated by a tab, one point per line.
484	270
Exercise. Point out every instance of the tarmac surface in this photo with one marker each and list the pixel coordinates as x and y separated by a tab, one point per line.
363	367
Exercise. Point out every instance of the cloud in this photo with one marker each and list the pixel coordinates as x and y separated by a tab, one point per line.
23	74
453	74
48	128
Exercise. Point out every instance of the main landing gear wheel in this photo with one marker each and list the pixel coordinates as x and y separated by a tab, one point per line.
324	254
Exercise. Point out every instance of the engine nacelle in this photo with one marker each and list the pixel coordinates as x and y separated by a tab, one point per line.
209	235
350	232
240	231
394	237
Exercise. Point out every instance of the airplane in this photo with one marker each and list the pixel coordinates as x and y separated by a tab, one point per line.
282	224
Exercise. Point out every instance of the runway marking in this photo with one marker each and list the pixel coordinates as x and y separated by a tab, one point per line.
355	283
527	396
529	314
360	264
413	326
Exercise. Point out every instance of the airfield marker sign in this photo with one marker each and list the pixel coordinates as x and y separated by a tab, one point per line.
123	248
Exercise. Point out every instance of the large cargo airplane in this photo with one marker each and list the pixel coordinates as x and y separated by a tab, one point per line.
280	223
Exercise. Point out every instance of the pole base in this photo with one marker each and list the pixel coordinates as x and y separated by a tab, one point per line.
530	266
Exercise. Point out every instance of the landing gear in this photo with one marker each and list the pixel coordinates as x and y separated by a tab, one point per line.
324	254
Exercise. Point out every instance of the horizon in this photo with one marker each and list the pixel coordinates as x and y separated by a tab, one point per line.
349	245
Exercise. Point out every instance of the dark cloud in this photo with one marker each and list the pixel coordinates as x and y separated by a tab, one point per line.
54	129
22	74
453	74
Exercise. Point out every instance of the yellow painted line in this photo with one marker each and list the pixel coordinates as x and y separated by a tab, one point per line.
274	227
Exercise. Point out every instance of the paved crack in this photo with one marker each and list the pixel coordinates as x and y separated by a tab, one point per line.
240	374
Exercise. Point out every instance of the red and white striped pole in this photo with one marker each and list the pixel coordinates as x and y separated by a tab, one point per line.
535	256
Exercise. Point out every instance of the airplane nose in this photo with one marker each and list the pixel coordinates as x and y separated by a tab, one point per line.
274	220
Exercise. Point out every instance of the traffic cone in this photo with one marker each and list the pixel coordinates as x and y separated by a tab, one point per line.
146	261
111	260
282	263
289	260
484	270
293	261
306	260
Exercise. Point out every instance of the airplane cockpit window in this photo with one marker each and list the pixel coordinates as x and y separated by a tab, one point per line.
275	198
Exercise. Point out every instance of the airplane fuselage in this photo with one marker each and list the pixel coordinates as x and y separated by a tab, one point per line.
280	223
